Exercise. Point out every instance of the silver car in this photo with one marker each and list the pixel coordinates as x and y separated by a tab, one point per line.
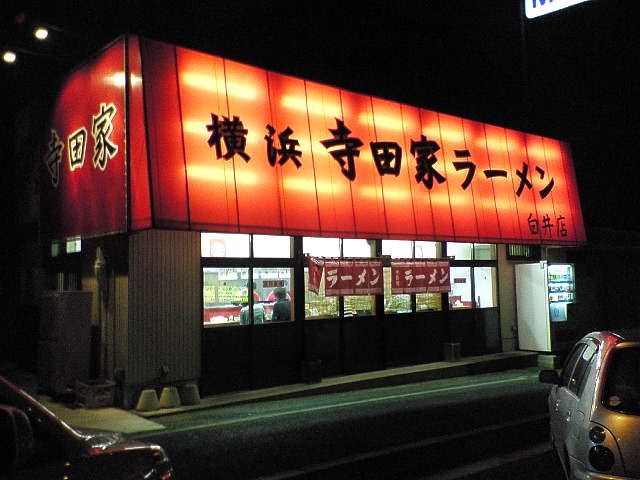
594	408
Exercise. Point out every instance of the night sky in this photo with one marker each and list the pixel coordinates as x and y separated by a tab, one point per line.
462	57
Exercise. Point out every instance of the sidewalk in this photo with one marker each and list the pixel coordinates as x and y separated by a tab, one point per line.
131	421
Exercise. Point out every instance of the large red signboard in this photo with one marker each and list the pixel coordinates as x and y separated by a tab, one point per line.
217	145
83	182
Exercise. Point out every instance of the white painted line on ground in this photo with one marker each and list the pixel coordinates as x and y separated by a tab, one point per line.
252	418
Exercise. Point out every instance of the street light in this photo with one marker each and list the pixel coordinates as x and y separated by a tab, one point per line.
9	57
41	33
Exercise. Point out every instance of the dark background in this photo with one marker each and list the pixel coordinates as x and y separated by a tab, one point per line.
567	75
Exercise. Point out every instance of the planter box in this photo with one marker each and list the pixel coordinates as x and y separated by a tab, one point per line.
95	393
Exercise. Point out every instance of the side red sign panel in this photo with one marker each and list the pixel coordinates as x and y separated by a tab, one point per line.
83	171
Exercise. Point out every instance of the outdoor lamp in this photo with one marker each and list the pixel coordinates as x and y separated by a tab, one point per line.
9	57
41	33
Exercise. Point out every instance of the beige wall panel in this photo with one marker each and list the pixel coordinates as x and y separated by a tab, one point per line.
164	307
507	295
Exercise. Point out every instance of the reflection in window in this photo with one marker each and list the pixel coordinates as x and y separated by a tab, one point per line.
224	245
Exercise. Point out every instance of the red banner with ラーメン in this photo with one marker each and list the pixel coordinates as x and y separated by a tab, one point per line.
419	276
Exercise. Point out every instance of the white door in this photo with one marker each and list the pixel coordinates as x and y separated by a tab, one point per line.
534	330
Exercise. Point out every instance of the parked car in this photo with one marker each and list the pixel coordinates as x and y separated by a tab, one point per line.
36	444
594	408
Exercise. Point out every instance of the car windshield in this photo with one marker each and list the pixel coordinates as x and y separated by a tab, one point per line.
622	386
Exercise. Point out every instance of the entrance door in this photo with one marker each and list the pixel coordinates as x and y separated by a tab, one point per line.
534	330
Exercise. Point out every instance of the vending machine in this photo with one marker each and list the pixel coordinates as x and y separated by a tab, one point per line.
543	291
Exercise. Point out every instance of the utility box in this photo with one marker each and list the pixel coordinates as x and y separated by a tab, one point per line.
65	340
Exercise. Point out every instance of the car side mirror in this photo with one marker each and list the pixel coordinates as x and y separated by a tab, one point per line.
549	376
15	429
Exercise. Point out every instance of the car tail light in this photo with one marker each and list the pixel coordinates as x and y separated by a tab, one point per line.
597	434
601	458
163	468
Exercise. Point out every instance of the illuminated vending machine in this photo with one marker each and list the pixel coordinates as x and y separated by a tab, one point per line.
543	291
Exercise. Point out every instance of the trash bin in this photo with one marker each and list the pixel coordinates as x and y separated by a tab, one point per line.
451	352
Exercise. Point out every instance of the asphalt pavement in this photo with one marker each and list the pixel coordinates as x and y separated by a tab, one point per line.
398	431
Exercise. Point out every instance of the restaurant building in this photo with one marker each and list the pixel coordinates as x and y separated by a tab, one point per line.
184	191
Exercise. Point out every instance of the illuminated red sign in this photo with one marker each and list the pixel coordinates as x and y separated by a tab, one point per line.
83	182
215	145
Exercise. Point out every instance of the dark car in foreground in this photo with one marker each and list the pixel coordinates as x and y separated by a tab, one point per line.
36	444
594	408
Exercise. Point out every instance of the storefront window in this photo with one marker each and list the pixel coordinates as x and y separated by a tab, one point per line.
471	251
321	247
238	286
484	251
460	251
397	249
271	246
355	247
358	305
224	245
224	294
272	293
73	245
428	302
317	305
426	250
460	295
485	286
473	275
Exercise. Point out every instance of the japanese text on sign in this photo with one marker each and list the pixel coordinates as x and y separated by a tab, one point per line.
387	156
420	276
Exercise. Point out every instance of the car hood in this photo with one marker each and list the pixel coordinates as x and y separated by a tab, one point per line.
99	441
626	430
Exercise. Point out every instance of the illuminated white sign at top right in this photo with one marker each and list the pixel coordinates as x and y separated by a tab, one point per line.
537	8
